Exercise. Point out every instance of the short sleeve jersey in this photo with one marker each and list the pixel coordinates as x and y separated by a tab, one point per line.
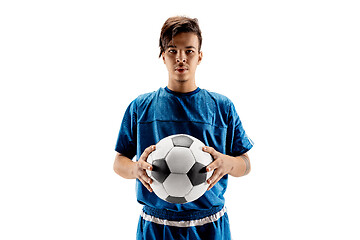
208	116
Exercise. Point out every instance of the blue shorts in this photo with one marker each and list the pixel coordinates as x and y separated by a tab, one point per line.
155	224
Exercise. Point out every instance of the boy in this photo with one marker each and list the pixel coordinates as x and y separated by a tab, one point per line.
182	107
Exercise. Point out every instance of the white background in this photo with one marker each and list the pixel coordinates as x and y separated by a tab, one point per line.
69	69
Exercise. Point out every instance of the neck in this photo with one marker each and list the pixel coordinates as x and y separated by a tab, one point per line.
182	87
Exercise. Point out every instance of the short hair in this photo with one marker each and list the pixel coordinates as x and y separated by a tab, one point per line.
176	25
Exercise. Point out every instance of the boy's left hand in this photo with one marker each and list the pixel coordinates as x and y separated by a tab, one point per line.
222	165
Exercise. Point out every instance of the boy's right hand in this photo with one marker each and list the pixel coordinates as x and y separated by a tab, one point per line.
141	166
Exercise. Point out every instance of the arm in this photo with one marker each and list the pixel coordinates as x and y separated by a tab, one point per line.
225	164
129	169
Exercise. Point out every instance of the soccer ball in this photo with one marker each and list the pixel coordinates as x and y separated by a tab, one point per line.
179	169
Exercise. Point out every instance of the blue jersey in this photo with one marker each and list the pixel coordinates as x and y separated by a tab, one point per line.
208	116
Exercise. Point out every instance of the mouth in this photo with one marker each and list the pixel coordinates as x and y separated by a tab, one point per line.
181	69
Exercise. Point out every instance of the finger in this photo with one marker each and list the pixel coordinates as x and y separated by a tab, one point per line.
146	185
214	165
212	151
216	176
145	165
214	179
143	176
147	151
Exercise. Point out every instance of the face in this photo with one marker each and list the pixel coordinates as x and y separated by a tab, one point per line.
182	57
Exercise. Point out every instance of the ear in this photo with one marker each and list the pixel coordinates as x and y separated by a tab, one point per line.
200	57
163	57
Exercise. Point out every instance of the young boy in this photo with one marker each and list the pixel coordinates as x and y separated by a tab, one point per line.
182	107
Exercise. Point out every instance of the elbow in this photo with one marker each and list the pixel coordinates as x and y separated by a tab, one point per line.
114	168
116	165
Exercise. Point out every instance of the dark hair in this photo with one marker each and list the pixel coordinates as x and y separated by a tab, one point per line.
176	25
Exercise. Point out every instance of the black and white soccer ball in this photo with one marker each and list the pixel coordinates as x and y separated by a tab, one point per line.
179	169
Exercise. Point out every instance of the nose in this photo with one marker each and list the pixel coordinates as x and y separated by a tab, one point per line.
180	60
181	57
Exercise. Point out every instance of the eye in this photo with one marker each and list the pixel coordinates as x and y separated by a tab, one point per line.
172	51
189	51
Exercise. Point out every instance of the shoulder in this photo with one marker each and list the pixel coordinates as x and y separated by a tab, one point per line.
146	98
218	98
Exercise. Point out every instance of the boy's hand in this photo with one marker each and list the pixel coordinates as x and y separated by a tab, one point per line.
221	165
141	166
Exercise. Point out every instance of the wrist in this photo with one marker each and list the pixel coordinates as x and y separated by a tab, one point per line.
233	164
240	165
132	170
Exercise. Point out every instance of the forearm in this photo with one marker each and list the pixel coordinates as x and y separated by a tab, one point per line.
124	166
225	164
240	165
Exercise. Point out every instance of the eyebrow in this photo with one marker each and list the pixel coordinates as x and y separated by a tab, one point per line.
173	46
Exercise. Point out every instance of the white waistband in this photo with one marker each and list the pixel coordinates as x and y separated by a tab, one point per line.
191	223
